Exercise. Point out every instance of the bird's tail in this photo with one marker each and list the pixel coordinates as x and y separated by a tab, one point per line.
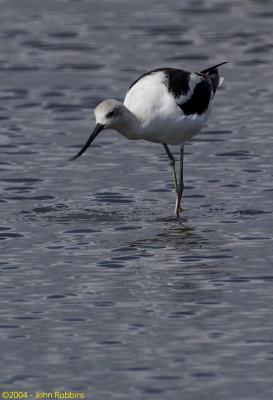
212	73
213	69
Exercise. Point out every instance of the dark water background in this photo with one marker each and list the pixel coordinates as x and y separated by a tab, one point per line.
101	289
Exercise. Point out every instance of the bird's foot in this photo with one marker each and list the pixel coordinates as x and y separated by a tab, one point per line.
177	211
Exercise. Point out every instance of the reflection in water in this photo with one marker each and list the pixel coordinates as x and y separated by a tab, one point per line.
181	233
175	235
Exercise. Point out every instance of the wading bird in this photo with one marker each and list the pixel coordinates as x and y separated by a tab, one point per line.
167	106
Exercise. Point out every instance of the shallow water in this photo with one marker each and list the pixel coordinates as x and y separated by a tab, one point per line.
102	290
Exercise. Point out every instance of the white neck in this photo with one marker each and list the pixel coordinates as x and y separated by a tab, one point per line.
130	126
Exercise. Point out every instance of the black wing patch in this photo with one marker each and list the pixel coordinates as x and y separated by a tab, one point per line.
177	80
199	101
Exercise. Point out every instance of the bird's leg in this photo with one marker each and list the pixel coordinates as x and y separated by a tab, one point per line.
172	164
181	183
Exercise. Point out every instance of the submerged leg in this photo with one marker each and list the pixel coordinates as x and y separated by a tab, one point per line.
181	183
172	164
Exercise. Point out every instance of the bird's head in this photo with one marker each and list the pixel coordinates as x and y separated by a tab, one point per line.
110	114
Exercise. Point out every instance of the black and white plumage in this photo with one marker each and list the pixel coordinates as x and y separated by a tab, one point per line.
180	83
166	105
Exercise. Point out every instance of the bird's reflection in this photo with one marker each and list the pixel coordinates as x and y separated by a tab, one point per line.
176	234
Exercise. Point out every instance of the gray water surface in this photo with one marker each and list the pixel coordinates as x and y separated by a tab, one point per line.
102	290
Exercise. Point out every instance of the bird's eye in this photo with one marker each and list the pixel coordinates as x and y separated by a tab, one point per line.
110	114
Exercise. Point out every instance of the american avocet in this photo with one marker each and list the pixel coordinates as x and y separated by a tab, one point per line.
167	106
